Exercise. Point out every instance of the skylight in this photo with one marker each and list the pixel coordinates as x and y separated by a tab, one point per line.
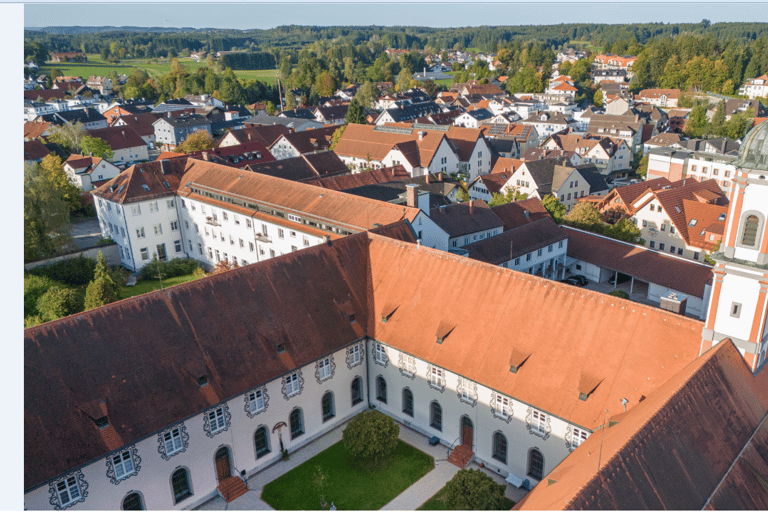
693	222
145	186
677	208
702	232
721	217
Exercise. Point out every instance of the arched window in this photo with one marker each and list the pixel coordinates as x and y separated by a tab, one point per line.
749	237
297	423
500	447
407	402
357	390
381	389
261	441
436	416
133	502
535	464
328	409
180	485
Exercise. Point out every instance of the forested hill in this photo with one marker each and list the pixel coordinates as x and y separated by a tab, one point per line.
486	38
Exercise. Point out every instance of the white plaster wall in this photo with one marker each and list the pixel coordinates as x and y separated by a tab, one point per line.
694	305
153	479
755	199
282	149
431	234
146	219
588	270
742	290
451	160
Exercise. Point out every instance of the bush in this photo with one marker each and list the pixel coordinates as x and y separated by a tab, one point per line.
371	435
620	294
170	268
58	302
72	272
104	241
34	288
472	489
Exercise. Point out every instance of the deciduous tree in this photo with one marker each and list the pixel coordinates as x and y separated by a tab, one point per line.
367	94
336	136
198	141
371	435
510	195
624	230
46	216
69	136
584	215
555	208
95	146
472	489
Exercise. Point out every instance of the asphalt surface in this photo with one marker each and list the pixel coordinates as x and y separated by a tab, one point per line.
86	233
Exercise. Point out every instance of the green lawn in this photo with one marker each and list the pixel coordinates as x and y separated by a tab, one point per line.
145	286
348	486
437	502
96	66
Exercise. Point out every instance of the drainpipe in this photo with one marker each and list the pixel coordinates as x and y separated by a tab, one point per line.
367	368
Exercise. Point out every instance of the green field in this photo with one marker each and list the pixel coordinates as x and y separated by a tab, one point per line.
155	68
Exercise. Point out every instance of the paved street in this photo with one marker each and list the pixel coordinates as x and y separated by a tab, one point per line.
410	499
86	233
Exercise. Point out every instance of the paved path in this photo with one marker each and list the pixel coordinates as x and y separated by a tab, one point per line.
410	499
86	233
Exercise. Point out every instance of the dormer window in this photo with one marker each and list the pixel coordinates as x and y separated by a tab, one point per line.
101	422
202	381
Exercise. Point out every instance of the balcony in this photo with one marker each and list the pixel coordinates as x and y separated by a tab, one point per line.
263	238
212	221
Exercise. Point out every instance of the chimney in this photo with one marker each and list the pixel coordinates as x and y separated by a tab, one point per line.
511	248
421	135
162	166
168	115
327	239
427	178
440	176
471	207
206	157
412	191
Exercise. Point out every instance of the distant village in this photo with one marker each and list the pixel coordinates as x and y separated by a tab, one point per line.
605	218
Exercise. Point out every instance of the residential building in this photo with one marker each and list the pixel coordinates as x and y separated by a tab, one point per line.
101	84
610	61
88	117
467	223
291	145
238	156
755	87
406	112
302	168
89	172
699	160
557	176
267	135
472	118
142	123
35	151
127	146
172	131
546	123
607	154
664	98
336	115
734	106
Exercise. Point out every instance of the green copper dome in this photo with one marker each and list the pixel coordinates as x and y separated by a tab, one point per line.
753	153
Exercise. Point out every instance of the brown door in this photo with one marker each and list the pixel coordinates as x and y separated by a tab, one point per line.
222	464
466	431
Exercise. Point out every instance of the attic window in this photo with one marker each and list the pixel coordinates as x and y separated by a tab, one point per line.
677	208
202	381
702	232
387	311
101	422
693	222
280	348
348	310
587	384
721	217
145	186
518	358
443	330
167	185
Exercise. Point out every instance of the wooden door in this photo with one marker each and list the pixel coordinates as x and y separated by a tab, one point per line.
222	464
466	431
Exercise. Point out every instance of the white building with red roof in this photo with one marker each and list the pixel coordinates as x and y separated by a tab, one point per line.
89	172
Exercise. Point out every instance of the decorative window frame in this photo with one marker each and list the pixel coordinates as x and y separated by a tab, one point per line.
406	370
284	382
134	458
207	421
494	445
82	487
569	437
317	369
383	349
264	397
496	412
760	228
184	441
440	386
472	400
361	351
535	431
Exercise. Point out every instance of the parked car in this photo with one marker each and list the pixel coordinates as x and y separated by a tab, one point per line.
583	281
571	281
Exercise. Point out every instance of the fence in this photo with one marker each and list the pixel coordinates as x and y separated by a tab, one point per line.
111	254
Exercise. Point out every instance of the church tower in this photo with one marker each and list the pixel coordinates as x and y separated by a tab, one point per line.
739	302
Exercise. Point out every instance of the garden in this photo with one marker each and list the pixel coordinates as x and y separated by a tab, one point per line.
364	471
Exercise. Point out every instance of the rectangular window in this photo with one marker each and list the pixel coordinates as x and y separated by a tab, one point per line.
467	390
256	401
539	252
550	248
528	257
539	422
294	218
170	204
306	242
517	261
280	233
560	244
264	230
224	216
292	384
380	353
153	207
436	376
174	225
653	244
293	234
735	309
579	436
409	364
144	254
172	441
324	368
158	229
502	406
661	246
136	209
123	464
653	208
140	232
679	251
69	491
354	355
672	249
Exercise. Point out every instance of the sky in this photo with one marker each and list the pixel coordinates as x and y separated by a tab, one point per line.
262	15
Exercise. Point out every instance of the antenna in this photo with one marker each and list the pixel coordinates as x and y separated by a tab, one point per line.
600	455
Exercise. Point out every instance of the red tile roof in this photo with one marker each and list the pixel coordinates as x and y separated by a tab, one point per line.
517	213
348	181
516	242
119	137
33	130
45	94
267	134
664	454
129	185
465	218
34	150
310	140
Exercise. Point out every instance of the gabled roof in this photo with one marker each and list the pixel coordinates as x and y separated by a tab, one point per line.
332	113
543	172
658	93
362	141
350	181
267	135
518	213
593	177
161	178
664	139
409	112
140	122
34	150
85	164
494	182
308	141
654	457
118	137
628	193
709	220
45	94
516	242
83	115
302	167
465	218
35	130
298	113
239	155
185	120
672	201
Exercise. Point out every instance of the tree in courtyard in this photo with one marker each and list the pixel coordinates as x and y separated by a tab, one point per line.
585	215
642	167
198	141
47	229
555	208
472	489
57	302
511	195
624	230
95	146
336	136
355	113
69	136
103	289
371	436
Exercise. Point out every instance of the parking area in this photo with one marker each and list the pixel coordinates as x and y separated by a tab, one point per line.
638	291
86	233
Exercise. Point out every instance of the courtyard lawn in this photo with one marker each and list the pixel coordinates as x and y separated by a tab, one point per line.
438	502
347	484
146	286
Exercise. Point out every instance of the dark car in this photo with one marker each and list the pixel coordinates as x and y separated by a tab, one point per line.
583	281
571	281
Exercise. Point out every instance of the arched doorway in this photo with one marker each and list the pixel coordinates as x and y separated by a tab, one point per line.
467	431
223	466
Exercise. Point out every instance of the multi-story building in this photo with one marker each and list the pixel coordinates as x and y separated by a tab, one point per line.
172	131
705	160
755	87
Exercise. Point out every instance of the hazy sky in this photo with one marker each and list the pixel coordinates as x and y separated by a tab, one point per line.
433	14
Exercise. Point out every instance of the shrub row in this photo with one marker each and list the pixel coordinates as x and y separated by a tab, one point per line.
73	272
170	268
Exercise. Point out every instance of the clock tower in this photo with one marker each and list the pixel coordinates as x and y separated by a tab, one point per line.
739	300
